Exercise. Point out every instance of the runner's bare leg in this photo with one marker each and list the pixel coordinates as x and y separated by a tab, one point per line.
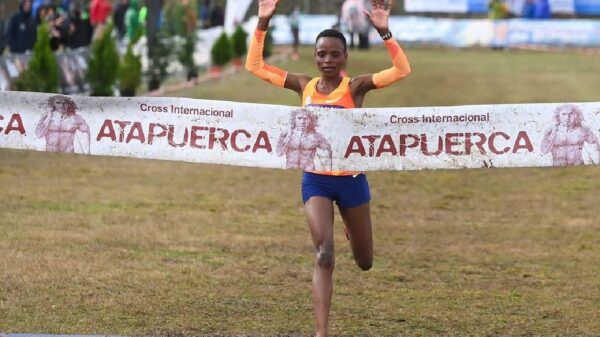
319	213
358	222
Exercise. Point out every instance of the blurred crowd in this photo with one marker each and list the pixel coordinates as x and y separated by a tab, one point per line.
536	9
528	9
76	23
352	21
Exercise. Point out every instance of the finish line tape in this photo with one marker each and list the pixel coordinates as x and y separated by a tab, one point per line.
272	136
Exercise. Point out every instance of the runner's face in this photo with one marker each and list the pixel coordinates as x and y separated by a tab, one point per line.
330	56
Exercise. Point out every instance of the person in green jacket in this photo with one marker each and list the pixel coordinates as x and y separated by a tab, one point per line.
132	19
498	10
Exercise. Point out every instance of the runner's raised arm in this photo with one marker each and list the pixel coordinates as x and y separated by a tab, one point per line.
255	62
379	17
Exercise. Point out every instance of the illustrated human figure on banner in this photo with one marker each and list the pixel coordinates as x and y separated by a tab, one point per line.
302	144
61	126
567	137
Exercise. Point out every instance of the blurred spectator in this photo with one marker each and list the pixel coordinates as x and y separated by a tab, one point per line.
338	21
36	5
142	16
119	18
60	27
294	20
217	16
498	9
132	19
536	9
204	13
65	6
542	9
354	21
40	14
21	30
2	30
99	12
80	31
363	35
191	17
528	9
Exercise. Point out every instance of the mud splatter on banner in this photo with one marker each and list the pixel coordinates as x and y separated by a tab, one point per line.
272	136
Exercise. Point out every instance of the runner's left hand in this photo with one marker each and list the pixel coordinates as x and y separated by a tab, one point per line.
380	14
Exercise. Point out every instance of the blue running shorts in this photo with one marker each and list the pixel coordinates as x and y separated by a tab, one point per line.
346	191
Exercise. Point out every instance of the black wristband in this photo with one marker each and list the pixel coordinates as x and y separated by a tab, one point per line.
387	36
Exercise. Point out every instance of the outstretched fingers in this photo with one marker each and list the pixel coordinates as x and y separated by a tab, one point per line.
367	14
267	2
382	4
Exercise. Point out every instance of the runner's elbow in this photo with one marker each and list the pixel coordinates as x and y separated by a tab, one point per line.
253	65
403	72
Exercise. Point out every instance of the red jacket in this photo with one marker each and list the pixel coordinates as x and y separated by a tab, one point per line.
99	11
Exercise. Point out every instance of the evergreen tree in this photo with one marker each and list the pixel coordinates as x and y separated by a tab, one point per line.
238	42
221	51
42	70
130	72
186	55
159	60
174	19
103	64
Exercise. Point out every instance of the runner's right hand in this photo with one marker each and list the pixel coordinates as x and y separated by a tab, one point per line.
266	8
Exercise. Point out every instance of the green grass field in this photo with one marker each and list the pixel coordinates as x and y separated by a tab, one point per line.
97	245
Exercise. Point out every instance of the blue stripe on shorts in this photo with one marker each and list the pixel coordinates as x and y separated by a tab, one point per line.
346	191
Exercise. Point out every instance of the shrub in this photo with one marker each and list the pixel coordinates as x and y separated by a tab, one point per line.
238	42
159	59
174	19
103	63
42	70
130	73
221	51
186	55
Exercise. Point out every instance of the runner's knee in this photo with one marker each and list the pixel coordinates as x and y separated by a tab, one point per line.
325	257
365	263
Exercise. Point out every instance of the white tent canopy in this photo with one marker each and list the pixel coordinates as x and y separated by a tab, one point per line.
235	12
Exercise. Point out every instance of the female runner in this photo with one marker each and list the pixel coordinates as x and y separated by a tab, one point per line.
320	189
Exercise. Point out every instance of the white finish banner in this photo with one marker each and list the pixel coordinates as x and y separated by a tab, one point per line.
260	135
